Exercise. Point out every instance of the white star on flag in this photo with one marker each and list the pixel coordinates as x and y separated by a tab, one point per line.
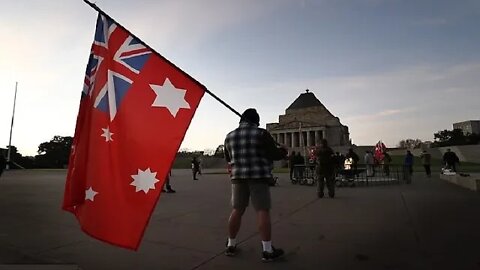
107	134
170	97
144	180
90	194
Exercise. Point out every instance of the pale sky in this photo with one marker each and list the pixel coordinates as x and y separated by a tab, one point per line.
390	69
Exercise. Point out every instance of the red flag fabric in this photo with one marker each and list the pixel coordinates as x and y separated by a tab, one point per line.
380	149
134	112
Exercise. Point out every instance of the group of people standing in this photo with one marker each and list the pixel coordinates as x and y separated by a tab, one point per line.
449	158
384	159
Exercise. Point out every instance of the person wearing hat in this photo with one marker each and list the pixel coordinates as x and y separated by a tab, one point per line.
250	152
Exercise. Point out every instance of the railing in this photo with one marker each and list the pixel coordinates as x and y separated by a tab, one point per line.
304	174
362	175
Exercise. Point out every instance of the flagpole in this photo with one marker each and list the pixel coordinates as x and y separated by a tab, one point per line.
11	128
302	145
165	59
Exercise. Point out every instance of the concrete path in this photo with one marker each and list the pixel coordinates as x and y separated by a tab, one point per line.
430	224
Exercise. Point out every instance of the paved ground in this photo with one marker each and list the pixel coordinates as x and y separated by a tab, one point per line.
427	225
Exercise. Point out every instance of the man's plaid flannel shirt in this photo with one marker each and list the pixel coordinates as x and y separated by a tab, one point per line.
250	151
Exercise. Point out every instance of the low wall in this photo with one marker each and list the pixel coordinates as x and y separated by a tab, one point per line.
468	153
471	182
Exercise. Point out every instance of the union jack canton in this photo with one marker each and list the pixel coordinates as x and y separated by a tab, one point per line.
116	59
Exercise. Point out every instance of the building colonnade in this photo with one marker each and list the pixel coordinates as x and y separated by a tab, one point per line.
296	138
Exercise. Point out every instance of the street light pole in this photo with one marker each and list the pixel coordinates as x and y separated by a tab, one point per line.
11	128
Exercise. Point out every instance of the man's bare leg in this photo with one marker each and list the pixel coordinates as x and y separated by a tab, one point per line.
264	225
234	222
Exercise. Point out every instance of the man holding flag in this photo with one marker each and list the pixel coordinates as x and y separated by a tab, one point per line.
250	152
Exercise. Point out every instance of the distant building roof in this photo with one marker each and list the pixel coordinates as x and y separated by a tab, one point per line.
467	121
305	100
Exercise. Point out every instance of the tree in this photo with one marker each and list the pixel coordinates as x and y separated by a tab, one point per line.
55	153
15	157
454	137
410	143
27	162
220	151
451	137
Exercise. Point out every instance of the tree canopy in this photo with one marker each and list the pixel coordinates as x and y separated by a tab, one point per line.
454	137
410	143
220	151
54	153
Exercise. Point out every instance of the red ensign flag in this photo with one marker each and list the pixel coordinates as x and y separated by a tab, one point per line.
134	111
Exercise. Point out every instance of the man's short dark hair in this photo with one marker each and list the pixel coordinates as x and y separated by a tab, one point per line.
250	116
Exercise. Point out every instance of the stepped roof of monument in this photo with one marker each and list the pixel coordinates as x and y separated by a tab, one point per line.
305	100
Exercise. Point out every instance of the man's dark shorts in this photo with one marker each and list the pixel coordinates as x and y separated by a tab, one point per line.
257	191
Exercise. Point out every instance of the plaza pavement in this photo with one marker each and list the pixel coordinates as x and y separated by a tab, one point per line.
430	224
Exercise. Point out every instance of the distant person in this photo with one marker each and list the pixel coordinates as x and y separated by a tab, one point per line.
387	159
250	165
167	184
339	162
325	169
3	163
426	162
354	159
408	166
369	162
451	159
195	167
200	166
291	163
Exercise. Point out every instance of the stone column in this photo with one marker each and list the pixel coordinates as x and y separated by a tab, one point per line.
288	139
318	137
292	139
300	139
309	139
275	137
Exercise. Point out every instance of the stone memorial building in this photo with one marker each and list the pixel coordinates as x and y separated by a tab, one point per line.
305	122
